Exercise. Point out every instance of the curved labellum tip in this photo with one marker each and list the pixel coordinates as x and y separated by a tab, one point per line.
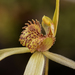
46	44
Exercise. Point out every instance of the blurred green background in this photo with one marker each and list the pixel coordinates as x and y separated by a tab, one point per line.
13	15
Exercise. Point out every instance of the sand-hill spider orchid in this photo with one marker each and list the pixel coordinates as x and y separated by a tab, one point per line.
39	44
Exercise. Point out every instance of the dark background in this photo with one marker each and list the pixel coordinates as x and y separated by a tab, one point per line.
13	15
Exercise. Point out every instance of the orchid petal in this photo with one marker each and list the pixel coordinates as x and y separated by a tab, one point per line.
60	59
10	51
35	65
56	16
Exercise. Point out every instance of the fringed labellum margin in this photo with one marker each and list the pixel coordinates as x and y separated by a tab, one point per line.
32	37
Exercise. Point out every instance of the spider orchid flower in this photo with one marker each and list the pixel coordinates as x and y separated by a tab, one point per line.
39	44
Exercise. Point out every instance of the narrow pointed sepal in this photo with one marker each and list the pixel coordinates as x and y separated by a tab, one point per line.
60	59
35	65
56	16
11	51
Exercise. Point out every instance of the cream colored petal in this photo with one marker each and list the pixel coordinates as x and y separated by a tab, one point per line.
60	59
10	51
35	64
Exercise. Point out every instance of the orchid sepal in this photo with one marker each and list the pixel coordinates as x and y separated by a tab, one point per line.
60	59
56	17
11	51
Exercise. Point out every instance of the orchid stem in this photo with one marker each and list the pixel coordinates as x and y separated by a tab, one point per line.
46	66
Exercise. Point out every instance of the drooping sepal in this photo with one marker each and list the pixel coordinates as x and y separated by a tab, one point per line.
35	64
